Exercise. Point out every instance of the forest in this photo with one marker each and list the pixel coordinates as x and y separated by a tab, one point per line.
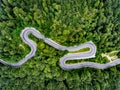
69	23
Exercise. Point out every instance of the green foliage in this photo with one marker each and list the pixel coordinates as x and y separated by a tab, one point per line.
68	22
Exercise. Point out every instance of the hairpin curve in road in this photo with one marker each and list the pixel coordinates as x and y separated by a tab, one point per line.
81	55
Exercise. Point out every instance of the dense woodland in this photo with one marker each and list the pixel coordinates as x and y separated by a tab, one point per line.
69	23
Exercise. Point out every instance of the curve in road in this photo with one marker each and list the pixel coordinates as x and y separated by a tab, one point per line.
80	55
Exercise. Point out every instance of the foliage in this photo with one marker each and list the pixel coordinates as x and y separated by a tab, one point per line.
68	22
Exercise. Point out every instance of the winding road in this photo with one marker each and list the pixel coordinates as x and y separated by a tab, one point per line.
73	56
